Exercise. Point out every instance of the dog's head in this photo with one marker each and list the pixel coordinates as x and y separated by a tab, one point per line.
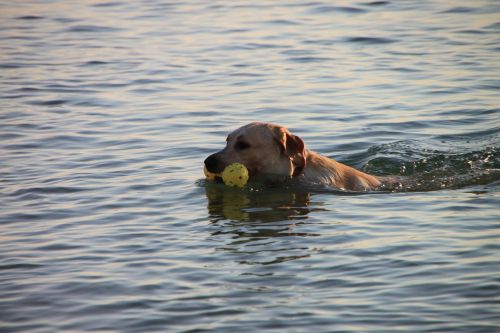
265	149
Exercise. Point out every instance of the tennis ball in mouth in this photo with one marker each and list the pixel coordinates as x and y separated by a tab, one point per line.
235	174
209	175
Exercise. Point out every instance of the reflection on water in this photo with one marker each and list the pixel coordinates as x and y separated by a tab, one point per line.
260	205
257	222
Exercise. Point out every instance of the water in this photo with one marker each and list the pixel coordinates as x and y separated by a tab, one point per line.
109	108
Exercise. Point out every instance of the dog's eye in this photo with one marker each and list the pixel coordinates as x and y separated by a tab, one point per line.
241	145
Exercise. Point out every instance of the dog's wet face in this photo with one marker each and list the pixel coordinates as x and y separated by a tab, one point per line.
260	147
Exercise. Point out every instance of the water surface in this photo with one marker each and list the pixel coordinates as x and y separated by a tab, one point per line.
107	110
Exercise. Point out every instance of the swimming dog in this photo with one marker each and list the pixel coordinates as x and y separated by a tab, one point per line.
271	150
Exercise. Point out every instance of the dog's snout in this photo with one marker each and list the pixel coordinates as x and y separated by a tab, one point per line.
212	163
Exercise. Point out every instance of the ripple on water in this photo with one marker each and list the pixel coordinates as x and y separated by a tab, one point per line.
370	40
336	9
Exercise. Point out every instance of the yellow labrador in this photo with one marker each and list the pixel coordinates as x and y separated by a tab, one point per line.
271	150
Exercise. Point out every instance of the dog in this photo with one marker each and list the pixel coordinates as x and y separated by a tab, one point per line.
272	151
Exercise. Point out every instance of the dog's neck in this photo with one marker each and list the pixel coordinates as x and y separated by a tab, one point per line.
323	170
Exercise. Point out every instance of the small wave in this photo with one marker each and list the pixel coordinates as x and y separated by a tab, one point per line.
308	59
338	9
95	63
13	65
30	17
472	32
91	28
494	26
15	266
54	102
283	22
48	190
58	247
377	3
458	10
108	4
370	40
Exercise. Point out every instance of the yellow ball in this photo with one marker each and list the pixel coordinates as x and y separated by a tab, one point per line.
235	174
209	175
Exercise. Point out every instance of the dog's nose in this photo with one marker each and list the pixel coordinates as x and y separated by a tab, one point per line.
211	162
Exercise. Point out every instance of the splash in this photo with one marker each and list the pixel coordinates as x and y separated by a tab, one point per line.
421	168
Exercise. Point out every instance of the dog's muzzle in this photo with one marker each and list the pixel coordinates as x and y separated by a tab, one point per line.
213	163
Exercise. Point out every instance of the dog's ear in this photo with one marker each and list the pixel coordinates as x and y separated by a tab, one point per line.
293	147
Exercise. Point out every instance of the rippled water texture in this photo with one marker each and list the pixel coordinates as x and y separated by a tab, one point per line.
107	110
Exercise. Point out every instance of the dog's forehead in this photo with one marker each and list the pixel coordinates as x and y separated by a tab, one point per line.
254	131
